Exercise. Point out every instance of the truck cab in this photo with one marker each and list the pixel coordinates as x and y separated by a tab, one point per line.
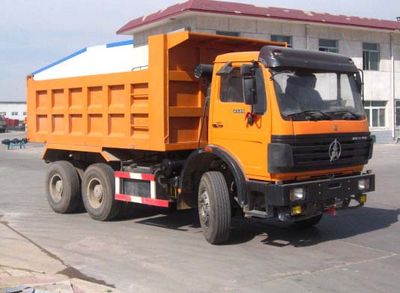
293	122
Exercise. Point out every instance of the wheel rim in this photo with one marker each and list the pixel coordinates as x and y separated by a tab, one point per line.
56	187
204	209
95	192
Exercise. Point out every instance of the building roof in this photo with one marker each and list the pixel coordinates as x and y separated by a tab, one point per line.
248	10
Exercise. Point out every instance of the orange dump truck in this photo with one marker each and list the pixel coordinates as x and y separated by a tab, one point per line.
218	123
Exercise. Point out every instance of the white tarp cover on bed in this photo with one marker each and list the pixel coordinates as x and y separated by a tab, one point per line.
109	58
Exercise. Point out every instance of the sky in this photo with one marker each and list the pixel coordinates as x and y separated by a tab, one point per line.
34	33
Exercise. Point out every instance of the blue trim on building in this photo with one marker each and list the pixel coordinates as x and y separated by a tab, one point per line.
118	44
60	61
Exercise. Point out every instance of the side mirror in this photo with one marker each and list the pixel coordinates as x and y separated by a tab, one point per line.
249	84
358	79
360	82
247	70
249	90
254	88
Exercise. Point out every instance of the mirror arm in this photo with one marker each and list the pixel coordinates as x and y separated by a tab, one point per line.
225	69
251	117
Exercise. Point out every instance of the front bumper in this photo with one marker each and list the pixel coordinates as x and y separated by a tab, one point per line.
319	195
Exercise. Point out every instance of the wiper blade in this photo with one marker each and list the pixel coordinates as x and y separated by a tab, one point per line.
312	114
344	113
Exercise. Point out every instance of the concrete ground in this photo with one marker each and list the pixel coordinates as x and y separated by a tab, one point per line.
154	251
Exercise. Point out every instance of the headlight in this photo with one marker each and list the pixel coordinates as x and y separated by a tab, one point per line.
297	193
363	184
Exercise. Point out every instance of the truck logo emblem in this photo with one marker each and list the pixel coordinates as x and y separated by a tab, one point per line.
335	150
238	111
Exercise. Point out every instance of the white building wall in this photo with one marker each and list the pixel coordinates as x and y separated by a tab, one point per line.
378	84
13	110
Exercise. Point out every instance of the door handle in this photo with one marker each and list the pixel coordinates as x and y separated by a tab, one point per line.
217	125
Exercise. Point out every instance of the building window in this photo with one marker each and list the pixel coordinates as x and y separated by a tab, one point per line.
24	114
3	113
231	87
14	113
229	34
398	113
371	56
376	113
286	39
326	45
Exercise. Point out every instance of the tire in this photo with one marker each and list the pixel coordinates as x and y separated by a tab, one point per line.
214	207
98	189
307	223
63	187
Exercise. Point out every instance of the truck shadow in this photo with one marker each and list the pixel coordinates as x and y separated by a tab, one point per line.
346	224
160	217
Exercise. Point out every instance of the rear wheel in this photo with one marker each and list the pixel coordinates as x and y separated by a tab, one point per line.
310	222
63	187
98	189
214	207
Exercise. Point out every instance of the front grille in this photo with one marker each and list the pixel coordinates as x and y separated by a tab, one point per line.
311	152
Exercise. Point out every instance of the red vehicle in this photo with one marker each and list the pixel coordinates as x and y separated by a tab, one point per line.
3	124
12	123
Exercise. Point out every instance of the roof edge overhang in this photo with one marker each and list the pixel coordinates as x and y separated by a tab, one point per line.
156	23
131	28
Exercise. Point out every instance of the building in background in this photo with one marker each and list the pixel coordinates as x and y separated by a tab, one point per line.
13	110
373	44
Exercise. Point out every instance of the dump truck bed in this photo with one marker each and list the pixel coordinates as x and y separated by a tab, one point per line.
158	108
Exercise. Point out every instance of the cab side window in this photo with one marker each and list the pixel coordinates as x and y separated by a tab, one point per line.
232	87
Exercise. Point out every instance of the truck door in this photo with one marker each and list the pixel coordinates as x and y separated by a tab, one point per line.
229	127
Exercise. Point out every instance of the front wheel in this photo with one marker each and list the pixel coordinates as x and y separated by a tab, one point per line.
214	207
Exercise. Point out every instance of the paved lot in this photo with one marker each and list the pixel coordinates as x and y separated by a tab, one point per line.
153	251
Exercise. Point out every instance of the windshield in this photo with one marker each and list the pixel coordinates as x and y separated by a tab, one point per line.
318	95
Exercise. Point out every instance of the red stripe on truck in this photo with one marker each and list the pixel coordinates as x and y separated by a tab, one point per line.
123	197
148	177
121	174
128	175
155	202
143	200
